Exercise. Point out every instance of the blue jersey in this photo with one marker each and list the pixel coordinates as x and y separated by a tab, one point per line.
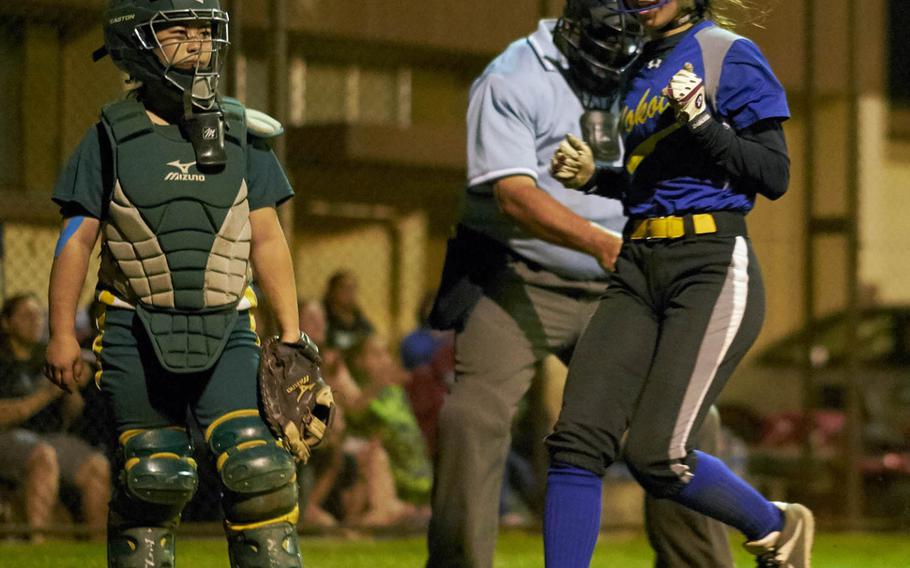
520	109
669	174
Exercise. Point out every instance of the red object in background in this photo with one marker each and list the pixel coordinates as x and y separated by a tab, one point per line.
891	463
787	428
427	389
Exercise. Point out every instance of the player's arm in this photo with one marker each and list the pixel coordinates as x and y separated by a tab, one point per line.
274	271
63	363
547	219
752	150
15	411
755	157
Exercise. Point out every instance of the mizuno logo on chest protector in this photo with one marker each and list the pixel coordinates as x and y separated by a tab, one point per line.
184	173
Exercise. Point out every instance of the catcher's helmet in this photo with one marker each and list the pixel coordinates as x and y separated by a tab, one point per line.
599	41
130	28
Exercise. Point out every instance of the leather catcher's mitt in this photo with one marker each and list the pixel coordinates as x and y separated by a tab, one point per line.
296	403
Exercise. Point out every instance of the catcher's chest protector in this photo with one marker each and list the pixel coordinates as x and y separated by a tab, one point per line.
177	240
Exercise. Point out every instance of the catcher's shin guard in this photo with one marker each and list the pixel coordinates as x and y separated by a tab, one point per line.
157	480
269	546
259	492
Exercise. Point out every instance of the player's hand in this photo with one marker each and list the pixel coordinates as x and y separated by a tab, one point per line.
686	93
63	362
607	247
572	163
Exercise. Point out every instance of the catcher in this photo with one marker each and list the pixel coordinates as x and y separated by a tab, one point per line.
182	187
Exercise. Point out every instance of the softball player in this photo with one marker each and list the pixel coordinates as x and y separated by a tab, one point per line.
182	189
701	120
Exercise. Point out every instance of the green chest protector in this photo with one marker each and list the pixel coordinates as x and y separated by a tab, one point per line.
177	239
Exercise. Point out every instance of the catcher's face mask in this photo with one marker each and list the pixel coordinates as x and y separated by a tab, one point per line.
176	50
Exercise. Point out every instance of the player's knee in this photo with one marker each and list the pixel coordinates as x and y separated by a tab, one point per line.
259	476
657	475
573	443
158	469
43	458
94	474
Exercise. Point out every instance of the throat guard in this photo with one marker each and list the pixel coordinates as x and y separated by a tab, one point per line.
600	129
177	236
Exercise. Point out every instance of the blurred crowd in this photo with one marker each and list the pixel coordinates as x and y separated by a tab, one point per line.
373	472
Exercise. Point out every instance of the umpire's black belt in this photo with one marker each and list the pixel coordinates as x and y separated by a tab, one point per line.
721	223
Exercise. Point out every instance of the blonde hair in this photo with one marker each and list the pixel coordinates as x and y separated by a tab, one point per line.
752	12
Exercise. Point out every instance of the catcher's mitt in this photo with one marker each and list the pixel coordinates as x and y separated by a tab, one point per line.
296	403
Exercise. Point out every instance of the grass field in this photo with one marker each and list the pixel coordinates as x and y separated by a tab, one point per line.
516	550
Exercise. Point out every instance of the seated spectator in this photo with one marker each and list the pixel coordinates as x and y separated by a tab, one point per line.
420	346
353	476
429	356
346	323
388	418
36	455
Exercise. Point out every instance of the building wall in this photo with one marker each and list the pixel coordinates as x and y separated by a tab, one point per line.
438	46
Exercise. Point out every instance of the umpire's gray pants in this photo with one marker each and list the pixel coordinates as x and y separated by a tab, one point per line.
524	316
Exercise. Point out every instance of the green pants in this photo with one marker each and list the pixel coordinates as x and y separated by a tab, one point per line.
143	395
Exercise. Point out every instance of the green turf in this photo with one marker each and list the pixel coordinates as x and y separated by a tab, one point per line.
516	550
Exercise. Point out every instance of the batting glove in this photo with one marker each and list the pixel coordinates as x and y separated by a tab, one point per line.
686	93
573	163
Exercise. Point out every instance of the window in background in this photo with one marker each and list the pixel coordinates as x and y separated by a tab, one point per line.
333	93
327	93
11	104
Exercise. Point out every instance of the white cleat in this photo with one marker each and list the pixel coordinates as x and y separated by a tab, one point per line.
791	547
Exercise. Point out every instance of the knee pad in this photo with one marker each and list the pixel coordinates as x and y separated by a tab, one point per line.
258	475
157	467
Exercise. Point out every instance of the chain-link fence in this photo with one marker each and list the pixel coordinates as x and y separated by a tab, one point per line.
374	150
376	98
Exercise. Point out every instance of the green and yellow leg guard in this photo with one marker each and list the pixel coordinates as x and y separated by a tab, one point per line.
259	492
157	480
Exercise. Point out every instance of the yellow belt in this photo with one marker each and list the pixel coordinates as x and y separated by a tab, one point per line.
672	227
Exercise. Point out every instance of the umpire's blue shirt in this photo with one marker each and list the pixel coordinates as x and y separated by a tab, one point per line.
520	109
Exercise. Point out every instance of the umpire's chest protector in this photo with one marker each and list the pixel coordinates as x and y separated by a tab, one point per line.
177	239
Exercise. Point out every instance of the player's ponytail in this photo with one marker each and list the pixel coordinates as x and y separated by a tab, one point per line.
731	13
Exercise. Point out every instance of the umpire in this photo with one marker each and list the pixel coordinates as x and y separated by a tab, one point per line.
524	272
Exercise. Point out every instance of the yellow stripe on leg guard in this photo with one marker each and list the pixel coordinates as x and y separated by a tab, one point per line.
229	416
239	447
128	434
291	518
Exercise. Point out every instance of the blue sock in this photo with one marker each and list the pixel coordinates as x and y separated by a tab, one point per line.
571	520
717	492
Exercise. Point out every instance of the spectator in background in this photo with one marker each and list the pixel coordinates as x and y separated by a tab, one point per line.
387	420
35	452
421	345
353	475
333	471
429	356
346	321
